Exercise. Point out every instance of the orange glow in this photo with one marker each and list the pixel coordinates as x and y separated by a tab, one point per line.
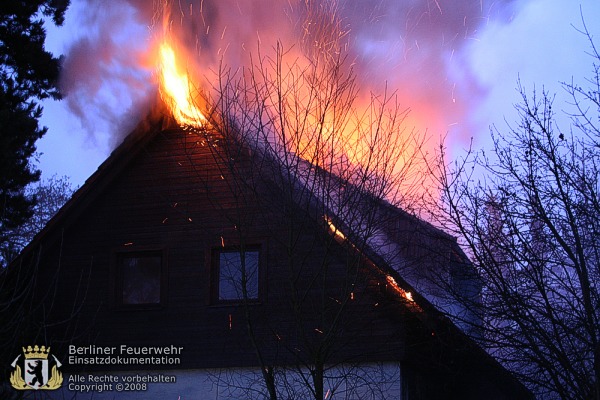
334	230
175	89
311	105
392	282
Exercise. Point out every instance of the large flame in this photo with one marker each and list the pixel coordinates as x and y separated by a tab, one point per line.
305	101
176	90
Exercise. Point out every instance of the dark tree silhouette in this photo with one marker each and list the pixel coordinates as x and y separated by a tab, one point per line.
28	73
531	222
50	195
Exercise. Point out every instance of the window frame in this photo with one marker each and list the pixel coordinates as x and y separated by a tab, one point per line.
117	280
215	274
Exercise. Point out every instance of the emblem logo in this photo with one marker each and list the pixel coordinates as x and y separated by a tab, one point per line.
33	372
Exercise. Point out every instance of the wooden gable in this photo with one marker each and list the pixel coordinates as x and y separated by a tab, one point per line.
175	199
171	197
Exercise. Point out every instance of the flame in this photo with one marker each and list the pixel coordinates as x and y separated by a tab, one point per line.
392	282
332	125
333	229
175	89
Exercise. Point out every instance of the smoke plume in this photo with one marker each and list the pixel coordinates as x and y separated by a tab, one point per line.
411	47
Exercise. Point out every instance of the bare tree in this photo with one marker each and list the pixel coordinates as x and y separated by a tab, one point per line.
289	134
529	215
50	194
26	306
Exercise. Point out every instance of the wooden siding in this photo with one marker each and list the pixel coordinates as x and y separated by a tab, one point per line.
175	196
185	195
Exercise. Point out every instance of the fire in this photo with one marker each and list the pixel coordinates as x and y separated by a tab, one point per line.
392	282
303	99
176	90
333	229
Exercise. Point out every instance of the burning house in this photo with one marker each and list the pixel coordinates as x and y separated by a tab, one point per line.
191	256
212	256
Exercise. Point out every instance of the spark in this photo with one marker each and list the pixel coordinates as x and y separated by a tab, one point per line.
453	87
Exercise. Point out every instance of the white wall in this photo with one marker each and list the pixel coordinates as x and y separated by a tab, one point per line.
366	381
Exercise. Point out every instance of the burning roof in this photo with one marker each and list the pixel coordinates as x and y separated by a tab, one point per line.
324	196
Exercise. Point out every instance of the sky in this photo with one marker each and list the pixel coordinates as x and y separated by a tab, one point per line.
455	64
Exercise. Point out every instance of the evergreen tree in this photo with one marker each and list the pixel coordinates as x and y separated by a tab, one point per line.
28	74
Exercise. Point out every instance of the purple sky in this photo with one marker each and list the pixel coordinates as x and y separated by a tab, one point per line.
460	59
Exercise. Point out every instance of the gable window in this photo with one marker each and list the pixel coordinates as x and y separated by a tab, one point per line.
140	278
236	274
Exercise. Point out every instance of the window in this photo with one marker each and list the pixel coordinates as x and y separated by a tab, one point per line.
236	269
140	278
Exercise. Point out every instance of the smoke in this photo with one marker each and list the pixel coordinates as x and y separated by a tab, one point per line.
413	48
106	76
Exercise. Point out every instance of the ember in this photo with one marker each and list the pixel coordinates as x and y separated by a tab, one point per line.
392	282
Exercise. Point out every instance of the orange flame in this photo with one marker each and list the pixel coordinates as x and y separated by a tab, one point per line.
175	89
333	229
392	282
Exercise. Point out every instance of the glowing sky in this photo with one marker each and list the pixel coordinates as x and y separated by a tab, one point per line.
459	58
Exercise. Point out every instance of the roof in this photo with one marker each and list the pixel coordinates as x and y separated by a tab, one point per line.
156	121
375	250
